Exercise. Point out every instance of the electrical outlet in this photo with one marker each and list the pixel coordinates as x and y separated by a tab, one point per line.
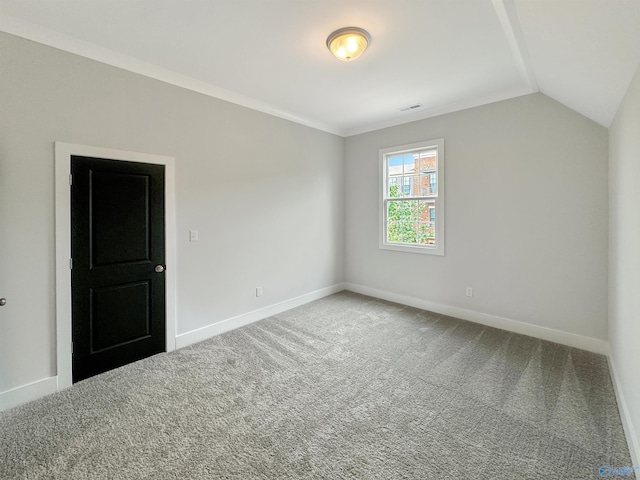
469	292
258	291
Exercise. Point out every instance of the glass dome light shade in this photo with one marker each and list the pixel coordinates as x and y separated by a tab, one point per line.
348	43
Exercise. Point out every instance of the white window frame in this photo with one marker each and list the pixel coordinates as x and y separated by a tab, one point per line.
384	153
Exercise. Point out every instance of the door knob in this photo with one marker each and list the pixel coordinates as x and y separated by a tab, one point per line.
3	302
159	269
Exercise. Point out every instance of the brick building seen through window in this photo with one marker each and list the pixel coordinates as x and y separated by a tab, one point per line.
417	178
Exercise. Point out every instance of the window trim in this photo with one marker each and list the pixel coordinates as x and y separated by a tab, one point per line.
383	189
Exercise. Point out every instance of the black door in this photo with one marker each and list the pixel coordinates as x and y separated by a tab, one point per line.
118	255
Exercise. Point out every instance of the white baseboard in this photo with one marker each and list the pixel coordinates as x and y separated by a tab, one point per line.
26	393
571	339
632	437
33	391
200	334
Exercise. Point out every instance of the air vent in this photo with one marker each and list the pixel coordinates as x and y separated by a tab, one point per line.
410	107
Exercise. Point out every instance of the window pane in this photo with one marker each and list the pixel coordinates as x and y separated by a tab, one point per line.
423	233
394	232
414	209
423	189
395	161
394	176
423	210
431	231
427	162
395	190
411	186
394	166
409	164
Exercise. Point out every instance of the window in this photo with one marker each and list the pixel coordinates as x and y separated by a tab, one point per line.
412	209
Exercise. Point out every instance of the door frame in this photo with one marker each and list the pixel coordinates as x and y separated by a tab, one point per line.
63	153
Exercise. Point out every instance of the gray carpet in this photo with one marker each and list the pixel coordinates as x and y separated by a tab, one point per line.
344	387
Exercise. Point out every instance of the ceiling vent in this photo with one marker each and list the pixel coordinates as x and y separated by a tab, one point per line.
410	107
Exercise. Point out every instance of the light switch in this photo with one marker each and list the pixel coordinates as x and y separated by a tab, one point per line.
193	235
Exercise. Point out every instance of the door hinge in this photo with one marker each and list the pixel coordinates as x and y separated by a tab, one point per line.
71	264
70	179
71	347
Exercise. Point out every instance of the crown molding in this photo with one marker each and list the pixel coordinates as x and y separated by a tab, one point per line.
423	114
38	34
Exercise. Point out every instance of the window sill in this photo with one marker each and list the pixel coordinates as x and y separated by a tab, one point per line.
420	249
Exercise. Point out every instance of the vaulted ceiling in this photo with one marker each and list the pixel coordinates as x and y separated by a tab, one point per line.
270	55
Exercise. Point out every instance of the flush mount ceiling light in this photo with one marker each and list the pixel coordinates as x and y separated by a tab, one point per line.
348	43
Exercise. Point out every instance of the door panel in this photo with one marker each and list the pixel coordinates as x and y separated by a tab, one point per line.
112	326
117	239
120	223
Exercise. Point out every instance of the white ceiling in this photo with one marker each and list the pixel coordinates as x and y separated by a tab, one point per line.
270	54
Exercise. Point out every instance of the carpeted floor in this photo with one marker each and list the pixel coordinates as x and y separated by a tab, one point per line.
344	387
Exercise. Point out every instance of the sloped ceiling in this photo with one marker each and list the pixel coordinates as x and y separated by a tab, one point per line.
444	55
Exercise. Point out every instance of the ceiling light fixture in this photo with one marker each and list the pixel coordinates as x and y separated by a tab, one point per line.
348	43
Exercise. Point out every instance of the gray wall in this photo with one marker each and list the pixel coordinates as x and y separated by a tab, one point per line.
265	194
624	259
526	215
